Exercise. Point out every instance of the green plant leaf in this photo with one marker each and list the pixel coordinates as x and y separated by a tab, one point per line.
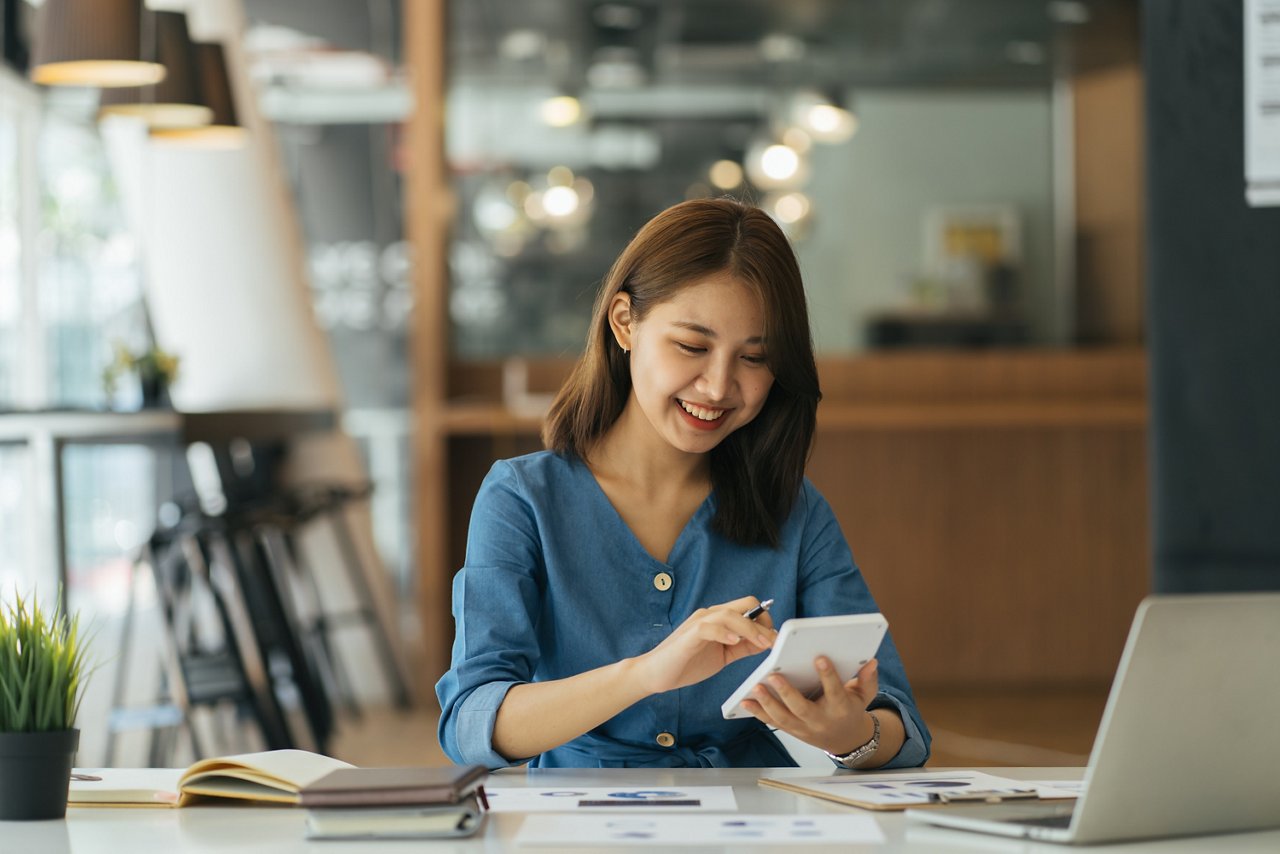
42	667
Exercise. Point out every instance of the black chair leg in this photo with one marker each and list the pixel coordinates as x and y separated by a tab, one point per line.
319	630
118	688
214	558
360	583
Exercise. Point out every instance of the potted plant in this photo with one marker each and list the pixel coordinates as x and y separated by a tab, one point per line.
156	369
42	679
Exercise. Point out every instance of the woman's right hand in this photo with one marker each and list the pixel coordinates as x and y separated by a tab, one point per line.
703	644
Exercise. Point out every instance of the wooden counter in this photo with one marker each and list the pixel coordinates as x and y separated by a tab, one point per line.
997	501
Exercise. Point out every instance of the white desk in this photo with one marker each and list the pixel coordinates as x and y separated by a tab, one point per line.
279	830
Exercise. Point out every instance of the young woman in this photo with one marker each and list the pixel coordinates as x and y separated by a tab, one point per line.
600	613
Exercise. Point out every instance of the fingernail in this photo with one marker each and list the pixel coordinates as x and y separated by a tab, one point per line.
733	639
763	640
823	664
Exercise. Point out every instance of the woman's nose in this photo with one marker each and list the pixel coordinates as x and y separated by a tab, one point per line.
717	379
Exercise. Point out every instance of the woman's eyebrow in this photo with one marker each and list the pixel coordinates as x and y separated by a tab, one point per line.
710	333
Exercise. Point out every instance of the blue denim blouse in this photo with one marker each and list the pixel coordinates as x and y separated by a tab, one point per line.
556	584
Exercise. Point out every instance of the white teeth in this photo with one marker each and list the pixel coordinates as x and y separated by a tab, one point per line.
700	413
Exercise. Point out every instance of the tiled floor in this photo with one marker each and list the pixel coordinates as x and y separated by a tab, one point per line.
970	728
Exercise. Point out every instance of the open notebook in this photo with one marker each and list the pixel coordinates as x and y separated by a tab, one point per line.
274	776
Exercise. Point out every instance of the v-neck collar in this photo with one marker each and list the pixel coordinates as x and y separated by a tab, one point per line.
630	535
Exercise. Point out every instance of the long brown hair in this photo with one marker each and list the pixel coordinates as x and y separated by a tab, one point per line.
757	470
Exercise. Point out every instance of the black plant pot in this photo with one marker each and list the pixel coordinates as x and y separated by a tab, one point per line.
35	773
155	392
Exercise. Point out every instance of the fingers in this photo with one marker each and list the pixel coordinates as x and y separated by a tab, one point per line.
756	710
766	621
831	684
795	702
760	630
867	683
785	701
775	711
743	605
730	628
869	678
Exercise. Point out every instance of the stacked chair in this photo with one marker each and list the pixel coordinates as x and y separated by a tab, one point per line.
244	621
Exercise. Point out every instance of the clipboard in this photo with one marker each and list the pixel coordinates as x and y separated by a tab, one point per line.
892	791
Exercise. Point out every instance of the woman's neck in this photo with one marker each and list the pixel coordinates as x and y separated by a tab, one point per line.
631	451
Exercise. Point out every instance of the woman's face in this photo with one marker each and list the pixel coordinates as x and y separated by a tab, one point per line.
698	367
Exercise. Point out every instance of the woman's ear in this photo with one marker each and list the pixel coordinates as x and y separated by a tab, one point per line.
620	320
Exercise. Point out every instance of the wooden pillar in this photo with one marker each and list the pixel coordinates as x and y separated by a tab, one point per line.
427	213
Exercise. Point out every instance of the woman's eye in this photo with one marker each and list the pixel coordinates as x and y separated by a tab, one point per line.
689	348
755	359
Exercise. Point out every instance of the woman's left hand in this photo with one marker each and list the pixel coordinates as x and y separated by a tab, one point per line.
836	722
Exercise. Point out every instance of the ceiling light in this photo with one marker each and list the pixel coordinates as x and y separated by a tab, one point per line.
559	176
559	201
830	123
617	16
782	47
520	45
774	166
1025	52
533	208
175	102
823	119
780	162
494	212
518	191
790	208
725	174
1068	12
560	111
797	140
616	67
225	130
91	43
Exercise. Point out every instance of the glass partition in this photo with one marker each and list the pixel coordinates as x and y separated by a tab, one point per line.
15	113
88	261
915	153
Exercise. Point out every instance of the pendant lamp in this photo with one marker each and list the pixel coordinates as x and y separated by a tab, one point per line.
215	93
13	45
92	43
174	102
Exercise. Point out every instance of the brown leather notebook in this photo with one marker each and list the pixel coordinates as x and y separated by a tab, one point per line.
350	787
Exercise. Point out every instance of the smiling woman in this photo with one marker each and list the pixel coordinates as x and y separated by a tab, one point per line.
609	594
720	267
711	381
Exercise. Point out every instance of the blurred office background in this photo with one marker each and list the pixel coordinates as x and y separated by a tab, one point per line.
381	267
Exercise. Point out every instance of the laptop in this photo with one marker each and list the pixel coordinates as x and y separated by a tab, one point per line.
1190	738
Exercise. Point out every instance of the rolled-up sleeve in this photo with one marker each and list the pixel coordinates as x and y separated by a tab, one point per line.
496	602
831	583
